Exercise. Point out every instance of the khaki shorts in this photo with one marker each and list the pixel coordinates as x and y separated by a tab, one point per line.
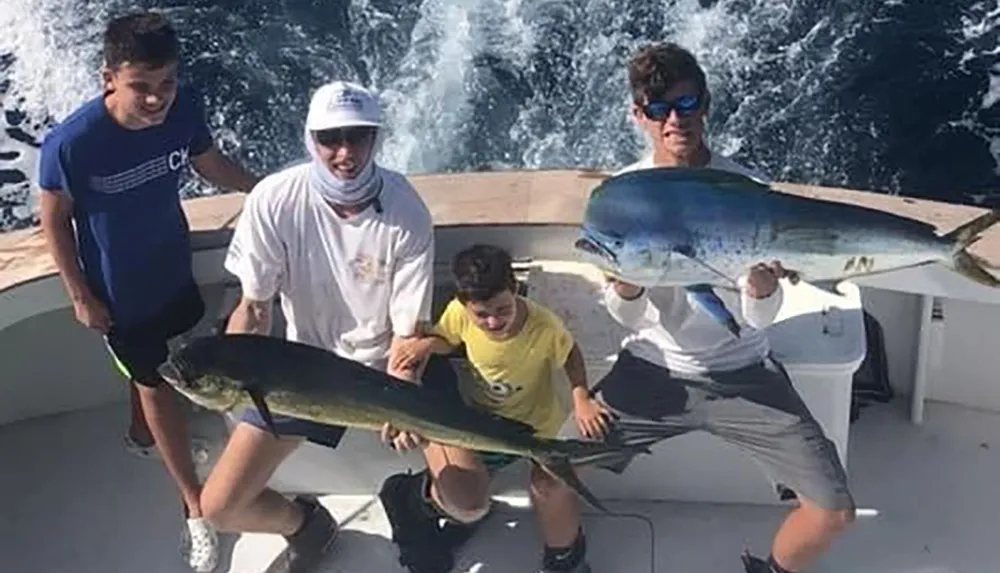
755	408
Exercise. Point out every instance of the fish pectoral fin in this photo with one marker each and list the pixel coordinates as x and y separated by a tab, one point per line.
704	297
265	413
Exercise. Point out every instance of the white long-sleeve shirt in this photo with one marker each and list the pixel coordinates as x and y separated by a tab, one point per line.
667	329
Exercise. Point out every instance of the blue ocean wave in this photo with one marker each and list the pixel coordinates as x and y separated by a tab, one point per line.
895	96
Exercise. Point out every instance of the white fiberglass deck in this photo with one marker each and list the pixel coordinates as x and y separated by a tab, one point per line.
74	501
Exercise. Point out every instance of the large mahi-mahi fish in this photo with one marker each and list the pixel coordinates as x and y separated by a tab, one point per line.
296	379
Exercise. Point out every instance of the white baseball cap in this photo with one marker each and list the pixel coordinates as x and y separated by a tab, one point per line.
342	104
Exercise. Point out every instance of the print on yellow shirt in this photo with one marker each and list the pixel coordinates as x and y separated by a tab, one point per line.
513	377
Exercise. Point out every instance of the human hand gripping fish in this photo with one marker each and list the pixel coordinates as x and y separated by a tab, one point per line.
406	357
760	282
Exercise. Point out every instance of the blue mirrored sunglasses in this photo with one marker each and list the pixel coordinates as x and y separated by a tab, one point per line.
658	110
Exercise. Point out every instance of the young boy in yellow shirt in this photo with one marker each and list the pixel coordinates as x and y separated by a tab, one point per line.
513	346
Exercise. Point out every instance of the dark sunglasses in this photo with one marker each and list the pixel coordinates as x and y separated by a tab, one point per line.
349	135
658	110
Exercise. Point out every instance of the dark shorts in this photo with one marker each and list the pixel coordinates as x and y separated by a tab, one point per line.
755	408
495	461
141	348
314	432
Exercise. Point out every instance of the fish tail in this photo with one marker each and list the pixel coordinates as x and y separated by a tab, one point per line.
565	455
971	266
581	453
560	467
968	233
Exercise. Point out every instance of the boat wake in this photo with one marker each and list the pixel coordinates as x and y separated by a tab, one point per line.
897	96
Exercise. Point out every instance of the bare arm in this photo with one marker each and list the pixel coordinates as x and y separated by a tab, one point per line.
56	211
250	317
400	367
591	415
400	353
576	371
221	171
437	345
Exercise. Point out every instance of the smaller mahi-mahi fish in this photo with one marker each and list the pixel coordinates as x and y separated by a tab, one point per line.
296	379
700	228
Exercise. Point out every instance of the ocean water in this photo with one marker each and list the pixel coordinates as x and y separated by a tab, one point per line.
897	96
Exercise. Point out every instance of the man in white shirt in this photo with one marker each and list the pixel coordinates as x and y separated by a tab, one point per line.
348	246
684	369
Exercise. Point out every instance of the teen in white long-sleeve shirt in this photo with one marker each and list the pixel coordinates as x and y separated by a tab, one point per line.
684	370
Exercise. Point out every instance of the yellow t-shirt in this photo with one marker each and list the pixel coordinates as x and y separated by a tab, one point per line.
513	377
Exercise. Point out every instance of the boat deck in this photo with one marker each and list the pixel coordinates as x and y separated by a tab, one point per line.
76	501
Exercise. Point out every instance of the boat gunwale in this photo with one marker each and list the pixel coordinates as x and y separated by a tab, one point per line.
483	199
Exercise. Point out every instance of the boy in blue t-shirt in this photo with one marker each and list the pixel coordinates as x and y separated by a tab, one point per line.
112	167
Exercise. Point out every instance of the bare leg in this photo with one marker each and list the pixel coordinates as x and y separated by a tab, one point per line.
235	497
138	429
460	483
557	509
806	533
169	430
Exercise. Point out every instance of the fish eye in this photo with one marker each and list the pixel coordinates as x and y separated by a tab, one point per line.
594	248
588	246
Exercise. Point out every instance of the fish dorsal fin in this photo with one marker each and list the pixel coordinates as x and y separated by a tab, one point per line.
718	178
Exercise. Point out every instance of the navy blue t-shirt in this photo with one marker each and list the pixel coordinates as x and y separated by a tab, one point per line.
131	231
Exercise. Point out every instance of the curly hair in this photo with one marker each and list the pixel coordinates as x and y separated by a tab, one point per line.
481	272
654	69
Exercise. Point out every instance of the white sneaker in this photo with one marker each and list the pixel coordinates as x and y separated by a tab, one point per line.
199	450
200	545
145	452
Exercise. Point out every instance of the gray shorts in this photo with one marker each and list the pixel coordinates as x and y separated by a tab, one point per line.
754	408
